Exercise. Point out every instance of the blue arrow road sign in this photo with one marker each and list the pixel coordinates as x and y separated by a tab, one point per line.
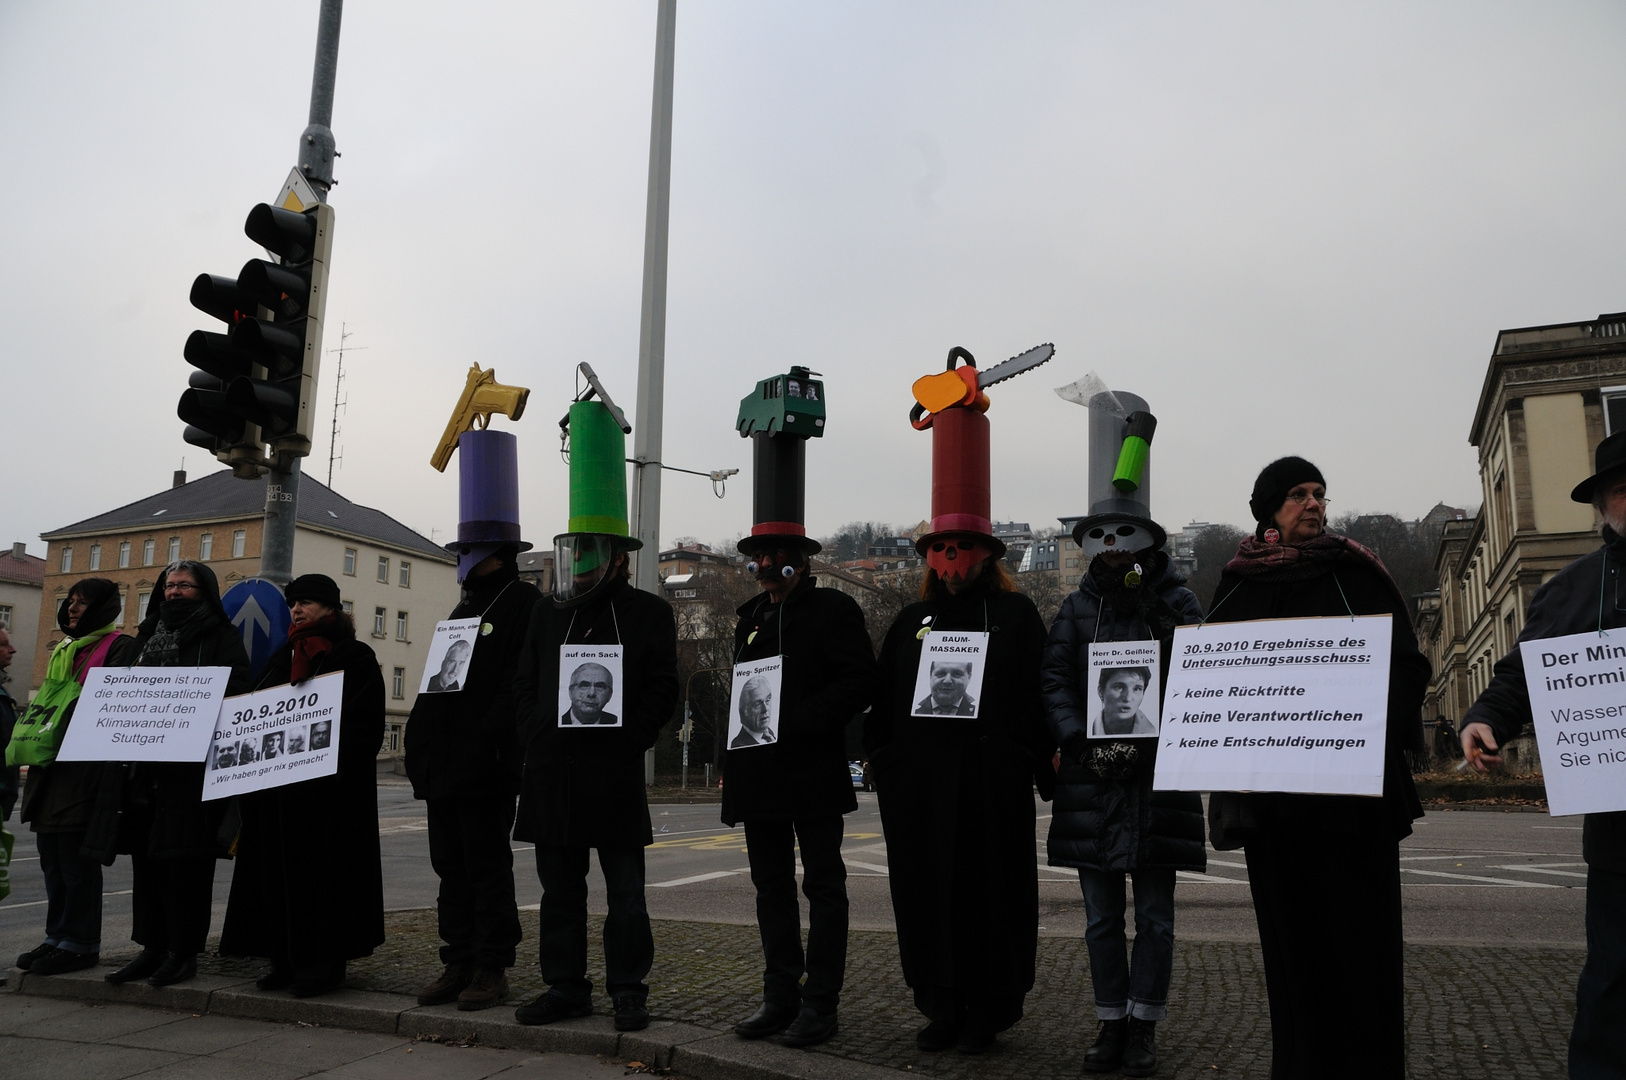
257	609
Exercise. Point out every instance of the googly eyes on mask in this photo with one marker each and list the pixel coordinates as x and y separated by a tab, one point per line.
752	567
787	571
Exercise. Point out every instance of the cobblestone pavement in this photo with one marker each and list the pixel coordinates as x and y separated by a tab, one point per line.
1474	1012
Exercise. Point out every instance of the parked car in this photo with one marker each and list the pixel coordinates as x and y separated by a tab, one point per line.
860	771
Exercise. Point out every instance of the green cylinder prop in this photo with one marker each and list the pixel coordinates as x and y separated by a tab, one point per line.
1131	463
598	471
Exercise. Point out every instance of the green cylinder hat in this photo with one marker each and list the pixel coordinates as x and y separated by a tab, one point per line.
598	474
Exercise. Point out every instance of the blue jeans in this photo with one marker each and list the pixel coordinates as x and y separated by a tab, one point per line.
1125	987
1598	1041
73	893
629	945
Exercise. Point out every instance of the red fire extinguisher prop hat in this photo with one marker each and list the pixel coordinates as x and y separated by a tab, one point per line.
953	406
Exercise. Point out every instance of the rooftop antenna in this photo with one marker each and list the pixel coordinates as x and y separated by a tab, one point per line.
339	401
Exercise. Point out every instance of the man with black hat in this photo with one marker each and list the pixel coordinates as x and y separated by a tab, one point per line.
584	782
1571	604
462	753
789	781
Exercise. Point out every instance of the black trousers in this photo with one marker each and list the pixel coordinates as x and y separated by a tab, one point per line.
771	848
171	902
469	849
629	945
1329	926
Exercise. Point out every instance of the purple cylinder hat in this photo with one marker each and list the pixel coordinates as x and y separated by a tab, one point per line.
488	498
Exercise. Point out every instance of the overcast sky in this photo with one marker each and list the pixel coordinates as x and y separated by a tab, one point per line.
1292	228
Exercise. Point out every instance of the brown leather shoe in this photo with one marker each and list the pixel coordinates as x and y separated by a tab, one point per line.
488	987
452	982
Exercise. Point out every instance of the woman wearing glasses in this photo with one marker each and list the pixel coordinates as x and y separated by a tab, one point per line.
170	834
1325	869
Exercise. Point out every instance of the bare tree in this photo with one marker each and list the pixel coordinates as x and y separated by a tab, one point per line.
1212	549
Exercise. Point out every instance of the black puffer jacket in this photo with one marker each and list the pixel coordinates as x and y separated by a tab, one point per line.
584	786
464	744
828	665
1568	604
1099	823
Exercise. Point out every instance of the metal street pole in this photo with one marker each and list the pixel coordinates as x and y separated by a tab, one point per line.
646	452
316	154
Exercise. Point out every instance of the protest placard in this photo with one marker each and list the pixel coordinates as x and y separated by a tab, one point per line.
1277	705
277	736
1578	702
145	714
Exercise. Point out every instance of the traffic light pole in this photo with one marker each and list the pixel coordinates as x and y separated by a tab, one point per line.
316	154
646	447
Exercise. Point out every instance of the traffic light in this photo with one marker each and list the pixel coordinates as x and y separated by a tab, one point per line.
256	383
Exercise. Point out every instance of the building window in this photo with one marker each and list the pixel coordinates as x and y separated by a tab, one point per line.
400	626
398	683
1072	562
406	574
350	562
1614	409
95	556
174	550
67	560
349	607
124	555
379	615
238	540
142	600
5	617
206	546
123	596
395	736
383	569
149	551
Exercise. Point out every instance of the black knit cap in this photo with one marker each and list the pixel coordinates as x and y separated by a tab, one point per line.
1276	480
318	587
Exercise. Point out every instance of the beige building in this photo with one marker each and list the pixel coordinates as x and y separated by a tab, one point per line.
1550	396
394	582
21	578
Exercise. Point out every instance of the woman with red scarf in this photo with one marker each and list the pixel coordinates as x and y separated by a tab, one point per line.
308	891
1325	869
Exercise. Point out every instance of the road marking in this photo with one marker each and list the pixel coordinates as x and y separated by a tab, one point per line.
1486	880
713	876
868	849
1208	879
1232	865
1559	828
37	903
867	866
1546	870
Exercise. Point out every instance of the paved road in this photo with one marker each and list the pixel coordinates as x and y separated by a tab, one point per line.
1472	878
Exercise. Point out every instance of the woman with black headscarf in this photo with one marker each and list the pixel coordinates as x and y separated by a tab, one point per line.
1325	869
308	891
60	797
169	832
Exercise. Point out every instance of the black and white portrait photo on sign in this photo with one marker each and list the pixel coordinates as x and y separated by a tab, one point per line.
753	708
273	737
1124	690
450	650
949	680
590	692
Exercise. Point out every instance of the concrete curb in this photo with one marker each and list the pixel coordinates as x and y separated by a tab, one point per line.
684	1048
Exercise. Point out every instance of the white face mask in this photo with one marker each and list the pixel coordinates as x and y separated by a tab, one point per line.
1120	537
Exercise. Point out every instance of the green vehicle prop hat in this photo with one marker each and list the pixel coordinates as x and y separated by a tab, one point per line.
779	416
1120	470
593	437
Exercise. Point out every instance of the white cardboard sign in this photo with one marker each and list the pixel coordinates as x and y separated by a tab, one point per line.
948	681
1578	702
1277	705
590	691
450	650
277	736
753	706
145	714
1123	690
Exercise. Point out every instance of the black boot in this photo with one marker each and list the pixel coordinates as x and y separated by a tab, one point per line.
1109	1047
1140	1049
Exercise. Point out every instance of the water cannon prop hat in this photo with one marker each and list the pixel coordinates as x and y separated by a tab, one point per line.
952	405
1120	470
779	416
487	469
594	435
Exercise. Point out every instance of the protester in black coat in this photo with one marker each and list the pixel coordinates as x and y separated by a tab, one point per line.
171	835
584	789
464	759
957	807
791	793
308	890
1325	861
1108	822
